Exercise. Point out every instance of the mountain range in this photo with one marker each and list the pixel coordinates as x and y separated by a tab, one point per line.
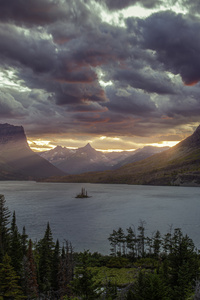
179	165
87	159
18	161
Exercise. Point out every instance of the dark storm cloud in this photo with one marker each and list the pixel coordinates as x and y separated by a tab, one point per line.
31	12
20	49
119	4
42	12
9	107
128	101
61	50
175	38
41	65
146	80
184	104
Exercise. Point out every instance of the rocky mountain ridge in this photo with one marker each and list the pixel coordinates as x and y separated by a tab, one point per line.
87	159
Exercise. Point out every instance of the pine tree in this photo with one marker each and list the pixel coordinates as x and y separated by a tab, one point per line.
141	239
131	242
55	267
15	250
4	229
183	266
66	270
121	239
24	238
148	287
30	274
84	284
46	246
113	242
9	288
157	243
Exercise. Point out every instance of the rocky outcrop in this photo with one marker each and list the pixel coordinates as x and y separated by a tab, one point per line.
18	161
12	134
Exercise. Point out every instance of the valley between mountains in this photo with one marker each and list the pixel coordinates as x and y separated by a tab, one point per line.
178	165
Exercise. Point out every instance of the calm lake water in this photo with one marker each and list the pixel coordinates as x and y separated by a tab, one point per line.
87	223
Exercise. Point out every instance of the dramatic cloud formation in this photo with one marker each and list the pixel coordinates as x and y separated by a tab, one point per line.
76	71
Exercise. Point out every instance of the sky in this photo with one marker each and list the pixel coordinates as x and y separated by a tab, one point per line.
117	74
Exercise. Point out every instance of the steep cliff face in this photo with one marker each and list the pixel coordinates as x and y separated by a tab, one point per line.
17	160
12	134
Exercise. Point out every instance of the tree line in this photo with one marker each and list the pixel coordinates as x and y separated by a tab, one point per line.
177	268
45	270
39	270
133	243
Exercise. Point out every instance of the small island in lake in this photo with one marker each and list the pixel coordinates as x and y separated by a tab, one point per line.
83	194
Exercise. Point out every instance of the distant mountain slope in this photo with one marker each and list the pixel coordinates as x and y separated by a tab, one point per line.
140	154
180	165
17	160
87	159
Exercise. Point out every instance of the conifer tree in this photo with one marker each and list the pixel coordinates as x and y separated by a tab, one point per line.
46	246
121	239
24	238
55	267
141	238
30	274
66	270
131	242
9	288
15	250
157	243
183	266
4	229
113	242
84	284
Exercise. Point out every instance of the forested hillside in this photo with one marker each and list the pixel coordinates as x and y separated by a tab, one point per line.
138	267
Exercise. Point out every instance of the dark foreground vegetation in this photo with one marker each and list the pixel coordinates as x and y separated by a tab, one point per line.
138	268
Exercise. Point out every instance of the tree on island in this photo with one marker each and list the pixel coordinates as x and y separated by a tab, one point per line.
82	194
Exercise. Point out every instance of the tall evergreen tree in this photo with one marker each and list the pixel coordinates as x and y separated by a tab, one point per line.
46	246
66	270
141	238
183	266
113	242
30	274
148	286
4	228
15	250
131	242
9	287
157	243
84	284
121	239
55	267
24	238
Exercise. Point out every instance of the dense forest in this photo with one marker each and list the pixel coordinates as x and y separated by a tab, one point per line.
138	268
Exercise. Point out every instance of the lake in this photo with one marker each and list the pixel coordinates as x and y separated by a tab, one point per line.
87	223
